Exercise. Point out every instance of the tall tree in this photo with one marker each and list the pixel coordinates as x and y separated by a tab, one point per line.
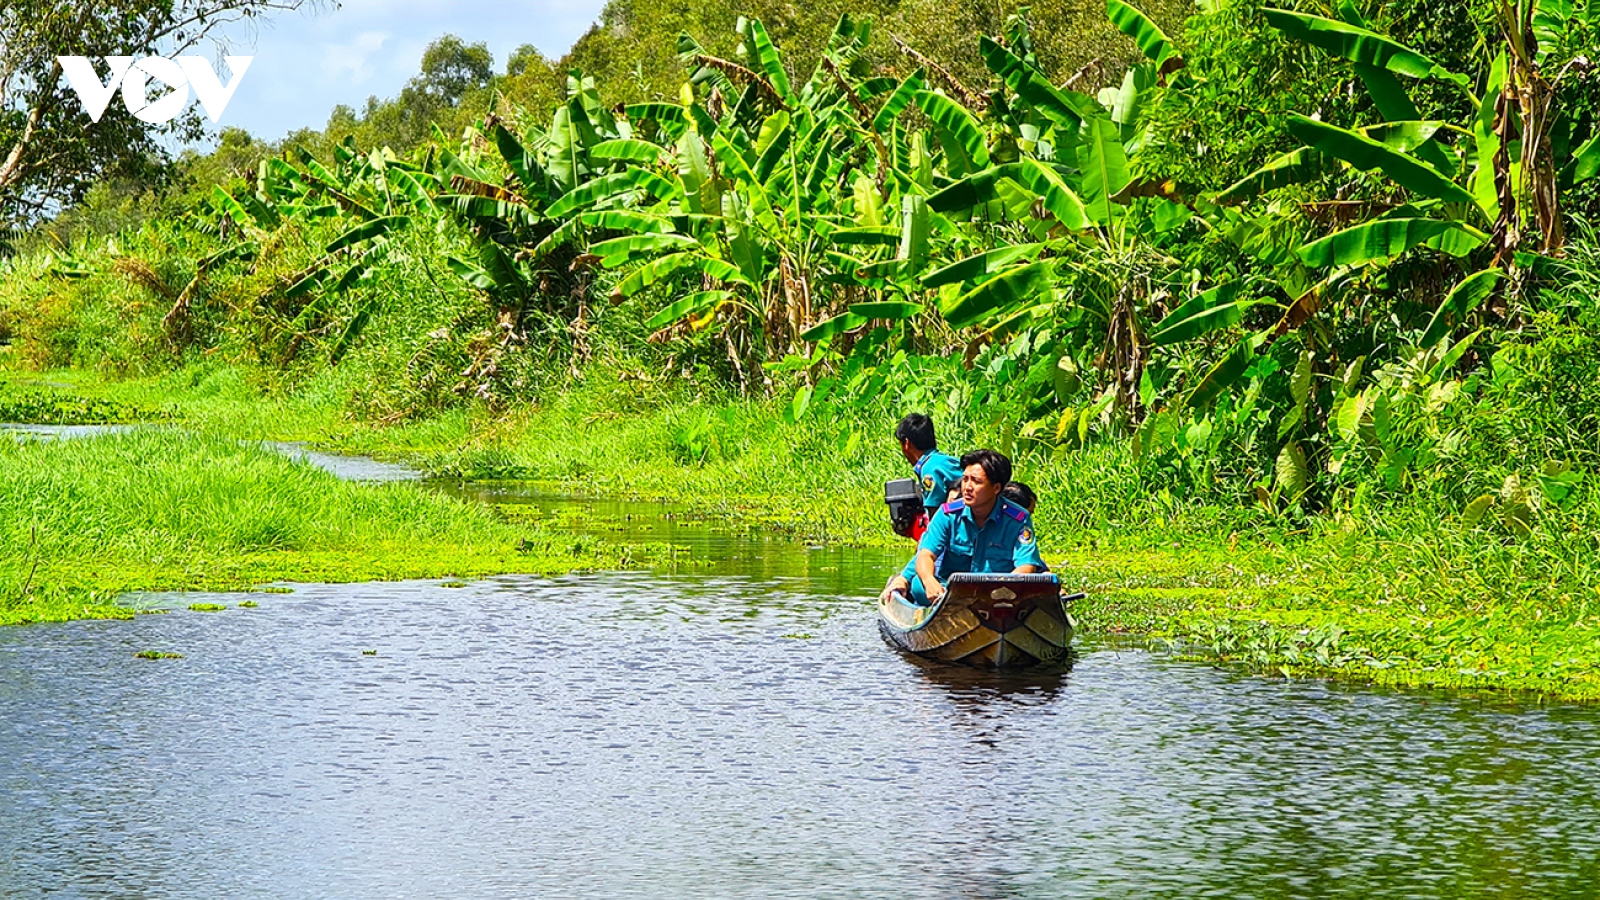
50	152
450	68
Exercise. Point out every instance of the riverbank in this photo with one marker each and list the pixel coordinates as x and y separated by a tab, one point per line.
1401	595
87	521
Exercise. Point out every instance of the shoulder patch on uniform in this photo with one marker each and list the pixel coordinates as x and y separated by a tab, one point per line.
1013	510
927	482
954	506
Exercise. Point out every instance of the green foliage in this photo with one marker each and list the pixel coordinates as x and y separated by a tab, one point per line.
46	155
158	509
1142	259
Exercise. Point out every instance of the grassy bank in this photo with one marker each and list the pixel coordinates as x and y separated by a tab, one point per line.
1399	594
86	521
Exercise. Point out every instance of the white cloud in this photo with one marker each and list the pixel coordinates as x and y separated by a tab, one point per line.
355	58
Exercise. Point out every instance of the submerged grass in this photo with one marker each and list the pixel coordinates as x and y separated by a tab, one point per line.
1400	595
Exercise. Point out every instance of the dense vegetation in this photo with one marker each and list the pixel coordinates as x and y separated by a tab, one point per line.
1281	276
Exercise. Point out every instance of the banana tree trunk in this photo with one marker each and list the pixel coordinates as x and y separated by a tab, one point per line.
1536	202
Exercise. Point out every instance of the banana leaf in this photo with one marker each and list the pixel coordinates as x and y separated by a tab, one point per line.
488	209
1306	163
774	140
1394	103
879	235
1586	160
669	116
1486	137
280	181
733	164
1366	154
886	309
471	274
617	251
501	267
1015	287
1212	310
1030	85
898	101
609	186
886	273
226	204
366	231
1352	42
1152	41
1221	376
626	220
768	56
522	163
692	304
1056	195
972	191
1388	238
1294	167
1104	163
832	327
351	332
1466	296
311	280
666	266
980	266
915	223
411	187
627	150
958	131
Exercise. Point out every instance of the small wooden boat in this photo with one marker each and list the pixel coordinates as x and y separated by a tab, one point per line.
998	621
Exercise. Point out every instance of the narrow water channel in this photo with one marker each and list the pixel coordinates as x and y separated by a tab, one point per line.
736	728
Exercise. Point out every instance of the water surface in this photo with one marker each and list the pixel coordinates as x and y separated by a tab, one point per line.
656	735
732	725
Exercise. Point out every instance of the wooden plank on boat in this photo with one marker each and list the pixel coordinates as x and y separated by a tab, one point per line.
1050	628
944	628
973	642
1026	641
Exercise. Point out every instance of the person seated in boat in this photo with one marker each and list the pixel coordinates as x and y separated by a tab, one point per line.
937	472
1020	494
982	532
1015	491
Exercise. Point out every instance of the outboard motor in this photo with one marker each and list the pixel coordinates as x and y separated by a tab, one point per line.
906	512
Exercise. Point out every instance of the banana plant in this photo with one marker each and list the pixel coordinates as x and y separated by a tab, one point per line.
1462	192
1069	187
520	210
740	200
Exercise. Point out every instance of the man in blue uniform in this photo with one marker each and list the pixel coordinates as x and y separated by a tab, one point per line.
982	532
937	472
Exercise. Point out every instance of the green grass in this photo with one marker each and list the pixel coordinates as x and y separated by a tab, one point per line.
93	519
1401	594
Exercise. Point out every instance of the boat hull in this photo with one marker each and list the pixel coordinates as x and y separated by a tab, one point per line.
1000	621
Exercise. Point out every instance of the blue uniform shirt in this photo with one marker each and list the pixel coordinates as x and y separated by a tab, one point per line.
959	544
938	473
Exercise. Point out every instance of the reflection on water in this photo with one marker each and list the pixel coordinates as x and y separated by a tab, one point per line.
702	547
25	432
719	735
347	468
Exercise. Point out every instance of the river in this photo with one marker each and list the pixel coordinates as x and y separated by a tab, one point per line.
733	726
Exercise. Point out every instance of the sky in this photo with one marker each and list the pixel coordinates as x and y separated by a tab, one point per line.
309	61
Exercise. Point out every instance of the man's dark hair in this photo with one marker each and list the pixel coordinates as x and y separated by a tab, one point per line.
918	429
995	465
1020	494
